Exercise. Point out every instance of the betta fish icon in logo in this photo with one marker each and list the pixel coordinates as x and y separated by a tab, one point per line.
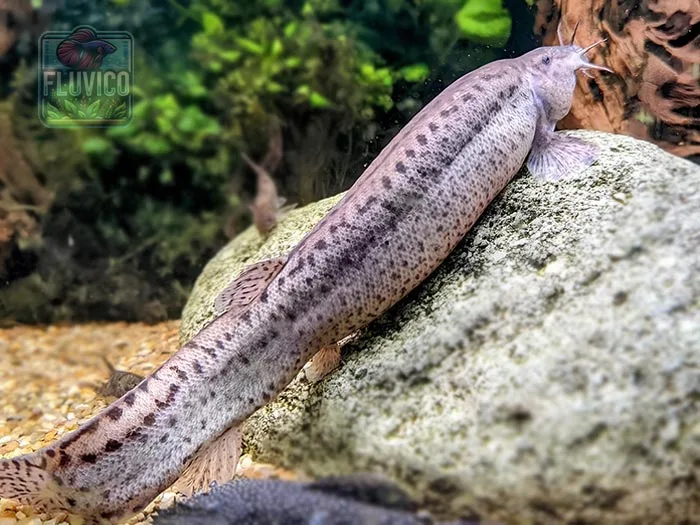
86	78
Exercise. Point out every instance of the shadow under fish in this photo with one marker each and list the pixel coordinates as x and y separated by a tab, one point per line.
83	50
342	500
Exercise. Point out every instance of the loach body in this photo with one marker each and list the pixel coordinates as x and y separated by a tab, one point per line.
266	207
267	202
119	382
398	222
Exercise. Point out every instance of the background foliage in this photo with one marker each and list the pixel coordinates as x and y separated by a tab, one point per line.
139	209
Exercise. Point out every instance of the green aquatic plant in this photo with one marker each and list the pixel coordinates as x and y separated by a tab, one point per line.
485	21
352	70
152	197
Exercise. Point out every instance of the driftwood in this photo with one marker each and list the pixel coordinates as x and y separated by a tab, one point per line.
23	198
654	47
14	14
18	16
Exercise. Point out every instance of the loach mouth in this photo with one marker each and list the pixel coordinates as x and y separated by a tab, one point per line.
586	65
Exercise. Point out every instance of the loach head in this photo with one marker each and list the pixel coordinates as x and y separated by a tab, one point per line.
551	72
264	217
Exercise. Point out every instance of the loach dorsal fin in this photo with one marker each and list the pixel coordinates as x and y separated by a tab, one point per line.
245	288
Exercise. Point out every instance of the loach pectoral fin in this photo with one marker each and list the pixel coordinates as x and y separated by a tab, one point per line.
215	461
323	363
245	288
284	210
560	155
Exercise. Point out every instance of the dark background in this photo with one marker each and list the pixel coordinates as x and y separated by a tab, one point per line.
99	224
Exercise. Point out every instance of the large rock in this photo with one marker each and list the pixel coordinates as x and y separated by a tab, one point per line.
548	372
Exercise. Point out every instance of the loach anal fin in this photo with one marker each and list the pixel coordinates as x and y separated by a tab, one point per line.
215	462
245	288
556	155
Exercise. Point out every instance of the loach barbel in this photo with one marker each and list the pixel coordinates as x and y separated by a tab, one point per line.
396	224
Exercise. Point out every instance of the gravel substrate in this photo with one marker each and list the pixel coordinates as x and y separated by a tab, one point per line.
48	388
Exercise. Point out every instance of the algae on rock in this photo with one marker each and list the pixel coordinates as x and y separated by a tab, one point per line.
547	372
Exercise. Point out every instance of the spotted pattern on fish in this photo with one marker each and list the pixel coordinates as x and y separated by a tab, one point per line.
398	222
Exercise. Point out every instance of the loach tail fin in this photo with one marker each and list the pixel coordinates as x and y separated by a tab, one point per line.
28	480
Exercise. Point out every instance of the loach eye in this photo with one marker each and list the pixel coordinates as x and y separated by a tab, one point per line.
546	60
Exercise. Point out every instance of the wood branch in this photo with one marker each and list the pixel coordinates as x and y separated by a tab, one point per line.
22	195
17	179
17	16
654	47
